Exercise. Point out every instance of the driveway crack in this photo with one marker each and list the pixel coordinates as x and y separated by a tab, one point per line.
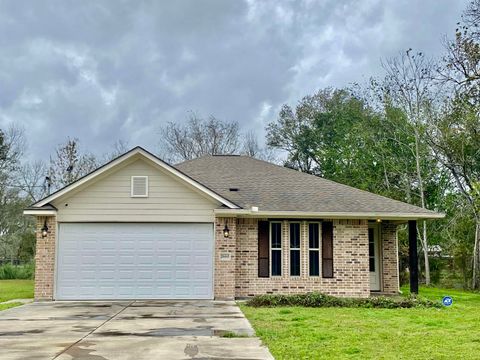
93	330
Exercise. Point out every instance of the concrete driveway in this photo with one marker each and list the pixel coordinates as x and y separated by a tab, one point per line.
128	330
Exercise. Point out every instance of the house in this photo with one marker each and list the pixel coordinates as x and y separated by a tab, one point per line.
215	227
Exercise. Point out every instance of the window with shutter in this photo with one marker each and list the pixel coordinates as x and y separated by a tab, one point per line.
263	249
139	186
327	249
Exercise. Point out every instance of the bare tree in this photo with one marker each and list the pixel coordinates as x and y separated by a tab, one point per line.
119	147
409	84
252	148
69	164
31	179
12	222
199	137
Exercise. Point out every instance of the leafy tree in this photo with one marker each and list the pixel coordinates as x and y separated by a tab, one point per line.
454	134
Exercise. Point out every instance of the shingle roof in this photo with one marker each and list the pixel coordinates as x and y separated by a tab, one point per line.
275	188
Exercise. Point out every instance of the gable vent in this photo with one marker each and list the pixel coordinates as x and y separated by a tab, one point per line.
139	186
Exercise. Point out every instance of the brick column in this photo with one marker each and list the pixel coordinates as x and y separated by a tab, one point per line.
45	258
224	287
388	237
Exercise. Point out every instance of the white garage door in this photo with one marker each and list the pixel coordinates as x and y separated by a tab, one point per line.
134	261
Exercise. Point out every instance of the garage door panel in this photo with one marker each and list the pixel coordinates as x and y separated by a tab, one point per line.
134	261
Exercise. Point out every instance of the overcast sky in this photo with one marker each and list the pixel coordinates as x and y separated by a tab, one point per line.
108	70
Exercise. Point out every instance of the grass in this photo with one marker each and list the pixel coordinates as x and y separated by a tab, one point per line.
15	289
357	333
9	305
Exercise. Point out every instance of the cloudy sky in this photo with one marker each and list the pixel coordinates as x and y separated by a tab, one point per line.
108	70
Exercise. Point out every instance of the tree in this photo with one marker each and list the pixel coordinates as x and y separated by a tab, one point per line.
454	135
198	137
13	225
455	138
31	179
252	148
119	147
409	86
69	164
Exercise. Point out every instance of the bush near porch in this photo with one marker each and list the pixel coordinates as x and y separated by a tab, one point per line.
293	332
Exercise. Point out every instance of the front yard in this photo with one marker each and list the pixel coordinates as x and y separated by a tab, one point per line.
15	289
345	333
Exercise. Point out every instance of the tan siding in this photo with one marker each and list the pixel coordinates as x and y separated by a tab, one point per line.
108	199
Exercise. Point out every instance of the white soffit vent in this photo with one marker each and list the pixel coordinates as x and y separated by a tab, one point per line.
139	186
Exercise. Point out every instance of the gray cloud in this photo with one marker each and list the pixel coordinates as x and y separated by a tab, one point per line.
104	70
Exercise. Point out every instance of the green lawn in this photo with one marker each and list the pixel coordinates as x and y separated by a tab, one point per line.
9	305
343	333
15	289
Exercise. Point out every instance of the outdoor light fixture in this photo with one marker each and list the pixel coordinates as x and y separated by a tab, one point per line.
44	229
379	220
226	231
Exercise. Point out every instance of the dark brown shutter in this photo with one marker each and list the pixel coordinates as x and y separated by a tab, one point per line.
327	249
263	249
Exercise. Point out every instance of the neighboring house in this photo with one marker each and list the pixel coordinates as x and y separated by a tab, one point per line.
215	227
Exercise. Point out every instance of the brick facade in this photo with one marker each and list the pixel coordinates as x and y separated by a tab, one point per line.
389	243
45	259
351	274
225	259
236	265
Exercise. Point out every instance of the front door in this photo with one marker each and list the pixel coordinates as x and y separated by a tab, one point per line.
374	256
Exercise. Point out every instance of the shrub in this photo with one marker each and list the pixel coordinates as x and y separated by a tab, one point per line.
316	299
9	271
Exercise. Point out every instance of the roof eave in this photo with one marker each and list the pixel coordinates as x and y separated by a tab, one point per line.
328	215
40	212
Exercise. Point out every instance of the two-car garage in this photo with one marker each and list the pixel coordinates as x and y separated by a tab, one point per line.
134	261
135	228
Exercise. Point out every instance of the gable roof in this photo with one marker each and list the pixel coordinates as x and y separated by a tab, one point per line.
274	188
137	151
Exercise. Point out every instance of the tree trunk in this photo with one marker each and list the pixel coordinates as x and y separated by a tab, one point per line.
422	199
476	255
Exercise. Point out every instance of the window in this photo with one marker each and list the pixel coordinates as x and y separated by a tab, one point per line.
139	186
327	249
314	249
371	248
294	249
276	248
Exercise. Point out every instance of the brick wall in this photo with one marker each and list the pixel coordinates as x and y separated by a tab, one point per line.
45	259
224	277
389	258
351	274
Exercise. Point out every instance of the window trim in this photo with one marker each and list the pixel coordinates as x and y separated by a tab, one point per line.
299	249
146	186
318	249
276	249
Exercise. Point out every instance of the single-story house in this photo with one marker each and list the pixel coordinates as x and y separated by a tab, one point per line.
218	227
